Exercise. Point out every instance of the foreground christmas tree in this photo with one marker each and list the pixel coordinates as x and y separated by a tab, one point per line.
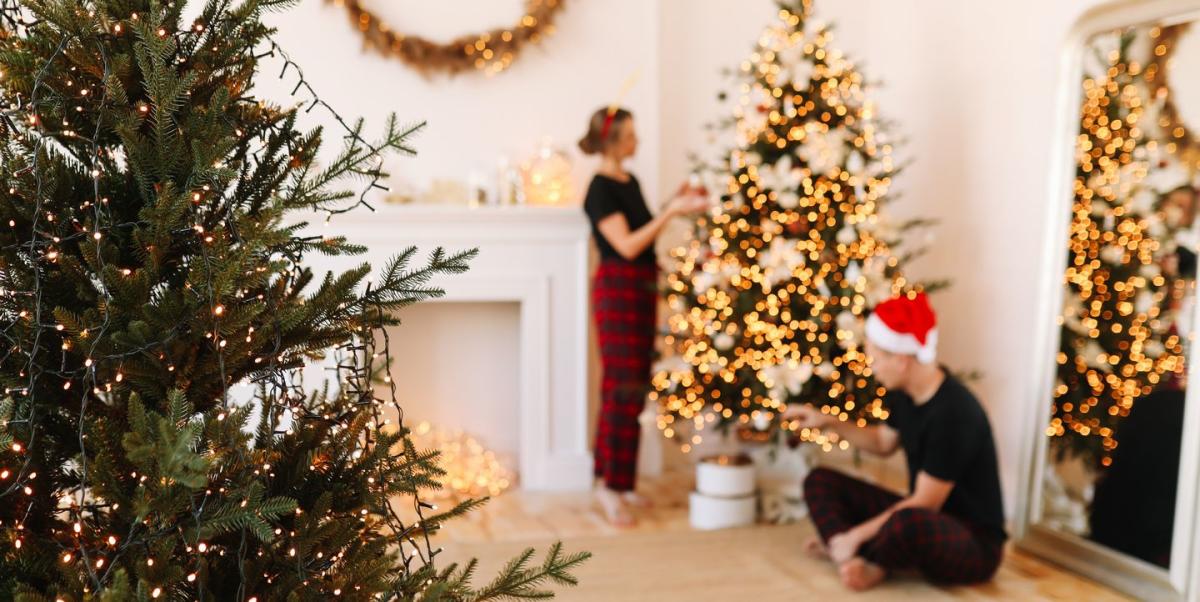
768	301
1117	342
150	259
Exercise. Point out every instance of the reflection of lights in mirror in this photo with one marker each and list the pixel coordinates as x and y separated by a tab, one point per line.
1126	321
1117	408
1178	56
1113	484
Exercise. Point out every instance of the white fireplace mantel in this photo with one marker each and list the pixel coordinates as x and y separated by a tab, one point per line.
534	256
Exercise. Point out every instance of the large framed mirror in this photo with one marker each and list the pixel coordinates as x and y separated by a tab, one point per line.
1112	453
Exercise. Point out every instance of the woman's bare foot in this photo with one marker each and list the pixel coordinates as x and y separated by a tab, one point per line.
860	575
637	500
816	548
614	508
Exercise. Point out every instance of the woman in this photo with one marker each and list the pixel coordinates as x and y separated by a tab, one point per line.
624	298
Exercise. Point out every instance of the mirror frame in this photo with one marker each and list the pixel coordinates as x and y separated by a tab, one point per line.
1125	573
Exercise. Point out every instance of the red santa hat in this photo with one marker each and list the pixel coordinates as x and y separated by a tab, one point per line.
906	326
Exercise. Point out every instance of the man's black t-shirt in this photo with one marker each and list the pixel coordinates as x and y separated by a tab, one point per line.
606	196
949	437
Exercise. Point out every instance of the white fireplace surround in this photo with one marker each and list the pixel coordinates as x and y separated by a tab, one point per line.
534	256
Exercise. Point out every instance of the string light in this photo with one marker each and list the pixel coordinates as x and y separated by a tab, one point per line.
119	268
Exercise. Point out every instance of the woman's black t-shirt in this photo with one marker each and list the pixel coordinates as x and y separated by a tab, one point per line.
606	196
949	438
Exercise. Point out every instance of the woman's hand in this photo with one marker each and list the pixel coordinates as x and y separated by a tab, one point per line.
683	190
688	204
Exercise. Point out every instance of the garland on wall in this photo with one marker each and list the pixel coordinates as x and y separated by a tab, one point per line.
491	52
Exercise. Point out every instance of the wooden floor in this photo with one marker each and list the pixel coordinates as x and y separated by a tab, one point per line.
662	559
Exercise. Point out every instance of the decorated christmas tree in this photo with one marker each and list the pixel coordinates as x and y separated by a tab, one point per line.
1117	341
151	258
767	301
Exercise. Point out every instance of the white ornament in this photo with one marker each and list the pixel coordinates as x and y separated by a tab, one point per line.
855	163
853	273
853	327
1154	348
781	176
770	226
1112	254
877	291
1154	225
787	380
847	320
1164	180
703	282
780	261
723	341
1142	202
847	235
1149	121
1095	356
1110	222
821	151
674	364
824	370
796	65
1144	302
823	288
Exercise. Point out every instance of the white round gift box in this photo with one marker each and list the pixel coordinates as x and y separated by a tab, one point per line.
707	512
725	476
724	495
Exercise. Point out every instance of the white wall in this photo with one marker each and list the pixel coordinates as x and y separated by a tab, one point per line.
971	85
472	120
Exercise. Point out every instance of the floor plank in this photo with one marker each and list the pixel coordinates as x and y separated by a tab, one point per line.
662	559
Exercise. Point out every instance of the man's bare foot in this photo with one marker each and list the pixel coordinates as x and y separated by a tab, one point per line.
860	575
637	500
614	508
816	548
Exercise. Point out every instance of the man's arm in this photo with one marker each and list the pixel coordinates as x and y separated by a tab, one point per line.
881	440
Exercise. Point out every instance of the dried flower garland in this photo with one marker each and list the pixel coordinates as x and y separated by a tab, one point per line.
490	52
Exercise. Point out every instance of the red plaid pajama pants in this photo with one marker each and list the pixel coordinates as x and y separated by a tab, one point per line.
944	548
624	300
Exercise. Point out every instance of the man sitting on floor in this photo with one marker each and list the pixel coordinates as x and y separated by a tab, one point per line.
951	526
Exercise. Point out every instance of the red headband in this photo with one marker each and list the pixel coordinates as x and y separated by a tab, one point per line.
608	121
